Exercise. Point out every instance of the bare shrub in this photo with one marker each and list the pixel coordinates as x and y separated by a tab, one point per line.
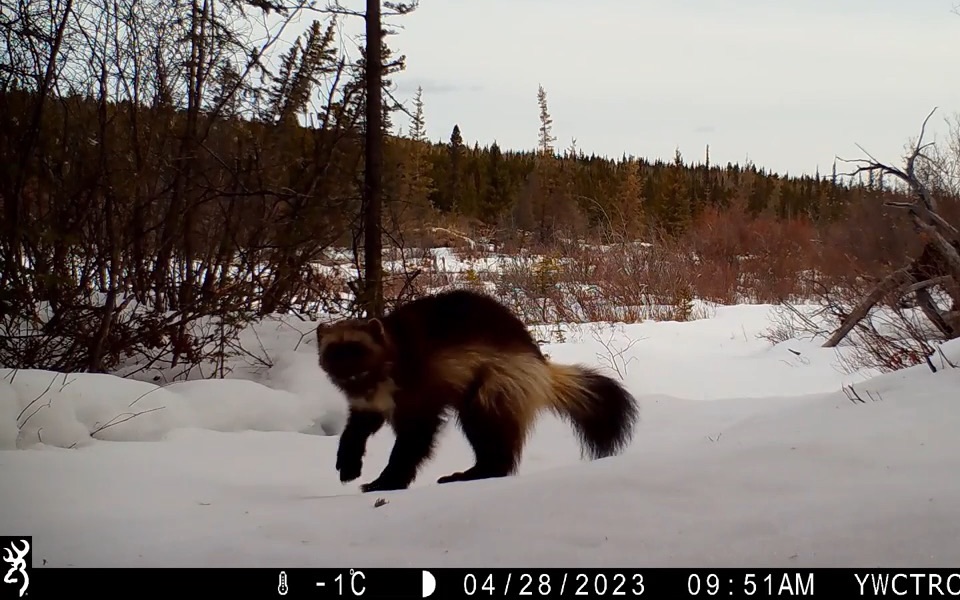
896	318
156	201
788	322
614	356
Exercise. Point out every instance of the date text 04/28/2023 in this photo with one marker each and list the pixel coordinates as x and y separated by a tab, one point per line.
557	582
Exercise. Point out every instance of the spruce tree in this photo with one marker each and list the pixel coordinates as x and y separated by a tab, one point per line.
546	137
418	131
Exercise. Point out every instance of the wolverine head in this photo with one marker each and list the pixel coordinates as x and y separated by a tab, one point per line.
355	354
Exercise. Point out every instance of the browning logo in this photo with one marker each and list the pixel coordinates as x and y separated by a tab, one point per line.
17	558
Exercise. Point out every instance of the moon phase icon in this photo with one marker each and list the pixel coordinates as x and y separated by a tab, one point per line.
429	583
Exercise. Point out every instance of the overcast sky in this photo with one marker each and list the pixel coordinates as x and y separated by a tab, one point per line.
786	84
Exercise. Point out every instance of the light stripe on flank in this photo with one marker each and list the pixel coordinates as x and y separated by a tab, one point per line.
520	383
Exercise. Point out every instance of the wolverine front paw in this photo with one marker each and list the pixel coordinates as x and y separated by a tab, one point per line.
349	470
382	485
348	475
458	476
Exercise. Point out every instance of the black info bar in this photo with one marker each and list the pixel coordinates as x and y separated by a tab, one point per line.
447	583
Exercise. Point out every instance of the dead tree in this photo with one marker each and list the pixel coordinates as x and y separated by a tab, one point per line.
937	265
370	289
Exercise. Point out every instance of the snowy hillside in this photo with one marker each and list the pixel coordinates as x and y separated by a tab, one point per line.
747	455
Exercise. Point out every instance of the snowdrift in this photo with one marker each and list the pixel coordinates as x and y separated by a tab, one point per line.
747	455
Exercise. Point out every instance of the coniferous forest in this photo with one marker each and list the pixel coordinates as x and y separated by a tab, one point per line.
157	171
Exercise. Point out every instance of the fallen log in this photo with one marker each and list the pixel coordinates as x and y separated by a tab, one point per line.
938	264
929	308
887	285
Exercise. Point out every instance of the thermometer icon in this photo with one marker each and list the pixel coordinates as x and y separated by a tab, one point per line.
282	589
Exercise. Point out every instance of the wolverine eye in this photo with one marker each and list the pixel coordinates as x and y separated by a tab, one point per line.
358	376
350	353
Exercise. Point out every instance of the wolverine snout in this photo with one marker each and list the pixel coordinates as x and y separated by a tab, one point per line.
359	384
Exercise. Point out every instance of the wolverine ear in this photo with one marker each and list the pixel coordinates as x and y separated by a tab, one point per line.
322	330
375	328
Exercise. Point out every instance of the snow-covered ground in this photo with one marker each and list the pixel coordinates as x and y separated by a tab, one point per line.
747	455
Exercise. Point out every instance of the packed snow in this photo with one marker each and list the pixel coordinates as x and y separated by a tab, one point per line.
747	455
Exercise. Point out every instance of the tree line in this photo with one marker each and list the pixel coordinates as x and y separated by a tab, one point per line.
156	172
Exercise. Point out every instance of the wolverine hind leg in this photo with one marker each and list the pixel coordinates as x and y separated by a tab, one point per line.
496	435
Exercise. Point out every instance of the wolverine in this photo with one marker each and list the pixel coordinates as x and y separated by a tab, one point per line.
463	352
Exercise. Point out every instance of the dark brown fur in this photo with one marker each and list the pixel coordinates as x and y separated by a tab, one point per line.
464	351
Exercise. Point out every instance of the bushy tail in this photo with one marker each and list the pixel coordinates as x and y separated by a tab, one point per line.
602	412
